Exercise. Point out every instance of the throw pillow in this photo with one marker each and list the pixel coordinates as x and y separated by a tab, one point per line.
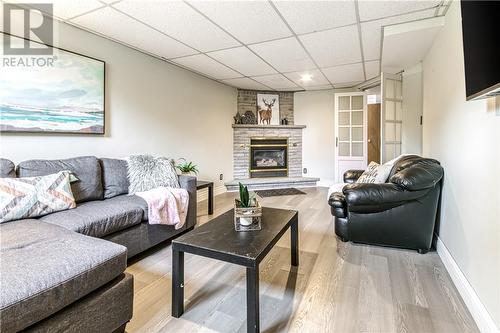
86	168
338	187
28	197
114	177
146	172
375	173
7	168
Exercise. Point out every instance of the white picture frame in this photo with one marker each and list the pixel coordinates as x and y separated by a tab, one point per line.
268	109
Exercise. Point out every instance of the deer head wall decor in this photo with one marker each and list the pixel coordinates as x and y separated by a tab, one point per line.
269	105
266	114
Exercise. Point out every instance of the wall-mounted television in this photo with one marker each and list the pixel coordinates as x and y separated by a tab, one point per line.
481	38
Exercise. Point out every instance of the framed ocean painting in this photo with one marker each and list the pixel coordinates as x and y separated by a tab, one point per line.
62	93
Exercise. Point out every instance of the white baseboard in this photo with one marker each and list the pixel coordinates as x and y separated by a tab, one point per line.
326	182
218	189
478	311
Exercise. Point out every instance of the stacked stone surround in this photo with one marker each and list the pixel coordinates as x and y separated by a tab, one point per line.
242	134
247	101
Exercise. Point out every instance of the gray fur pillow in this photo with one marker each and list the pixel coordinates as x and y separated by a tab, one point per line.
146	172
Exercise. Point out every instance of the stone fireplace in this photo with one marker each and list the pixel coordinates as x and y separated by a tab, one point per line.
257	141
267	156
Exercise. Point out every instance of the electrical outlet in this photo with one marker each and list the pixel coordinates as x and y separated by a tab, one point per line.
305	170
221	176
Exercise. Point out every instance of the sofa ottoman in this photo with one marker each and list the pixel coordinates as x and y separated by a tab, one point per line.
103	310
45	268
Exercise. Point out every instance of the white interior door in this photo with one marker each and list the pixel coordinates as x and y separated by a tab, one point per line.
350	133
392	117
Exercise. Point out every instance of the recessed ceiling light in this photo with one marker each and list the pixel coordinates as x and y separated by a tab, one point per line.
306	77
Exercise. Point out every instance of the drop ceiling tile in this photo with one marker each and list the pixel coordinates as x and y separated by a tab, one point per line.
317	78
286	55
444	7
372	69
347	84
65	9
371	32
344	74
323	87
180	21
203	64
370	10
245	83
118	26
334	47
243	60
248	21
276	81
391	70
309	16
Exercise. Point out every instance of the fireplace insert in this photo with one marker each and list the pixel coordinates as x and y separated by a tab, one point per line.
269	157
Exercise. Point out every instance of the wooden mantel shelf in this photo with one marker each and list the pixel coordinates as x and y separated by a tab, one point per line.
268	126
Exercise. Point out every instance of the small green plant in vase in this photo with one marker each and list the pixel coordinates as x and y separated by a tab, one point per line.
245	199
187	167
247	210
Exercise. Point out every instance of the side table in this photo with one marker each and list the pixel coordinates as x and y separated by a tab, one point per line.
201	184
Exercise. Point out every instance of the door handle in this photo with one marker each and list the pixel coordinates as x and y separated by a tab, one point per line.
336	141
369	140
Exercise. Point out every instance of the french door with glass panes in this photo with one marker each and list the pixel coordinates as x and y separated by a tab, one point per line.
350	133
392	116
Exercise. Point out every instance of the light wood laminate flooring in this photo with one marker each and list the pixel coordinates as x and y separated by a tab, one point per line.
338	287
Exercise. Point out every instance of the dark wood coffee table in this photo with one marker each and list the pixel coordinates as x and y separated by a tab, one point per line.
217	239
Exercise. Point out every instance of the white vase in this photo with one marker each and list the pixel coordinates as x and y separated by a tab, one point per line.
246	221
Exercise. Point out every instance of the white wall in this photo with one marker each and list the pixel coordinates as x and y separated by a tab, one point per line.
315	109
412	110
465	137
151	107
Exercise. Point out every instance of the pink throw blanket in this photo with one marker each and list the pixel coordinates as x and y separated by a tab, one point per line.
166	205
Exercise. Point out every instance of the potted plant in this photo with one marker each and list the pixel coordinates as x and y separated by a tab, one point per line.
247	211
187	167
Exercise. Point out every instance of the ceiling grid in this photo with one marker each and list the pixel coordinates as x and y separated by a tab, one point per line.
272	45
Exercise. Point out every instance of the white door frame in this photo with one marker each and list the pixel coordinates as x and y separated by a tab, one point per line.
383	100
365	133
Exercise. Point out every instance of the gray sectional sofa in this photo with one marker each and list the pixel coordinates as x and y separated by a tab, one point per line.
65	272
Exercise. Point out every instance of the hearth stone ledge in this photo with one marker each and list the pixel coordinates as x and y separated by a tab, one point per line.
272	183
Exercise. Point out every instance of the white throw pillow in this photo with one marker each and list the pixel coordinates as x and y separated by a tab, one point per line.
335	188
375	173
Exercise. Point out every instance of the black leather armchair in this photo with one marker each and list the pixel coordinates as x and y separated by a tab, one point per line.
399	213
